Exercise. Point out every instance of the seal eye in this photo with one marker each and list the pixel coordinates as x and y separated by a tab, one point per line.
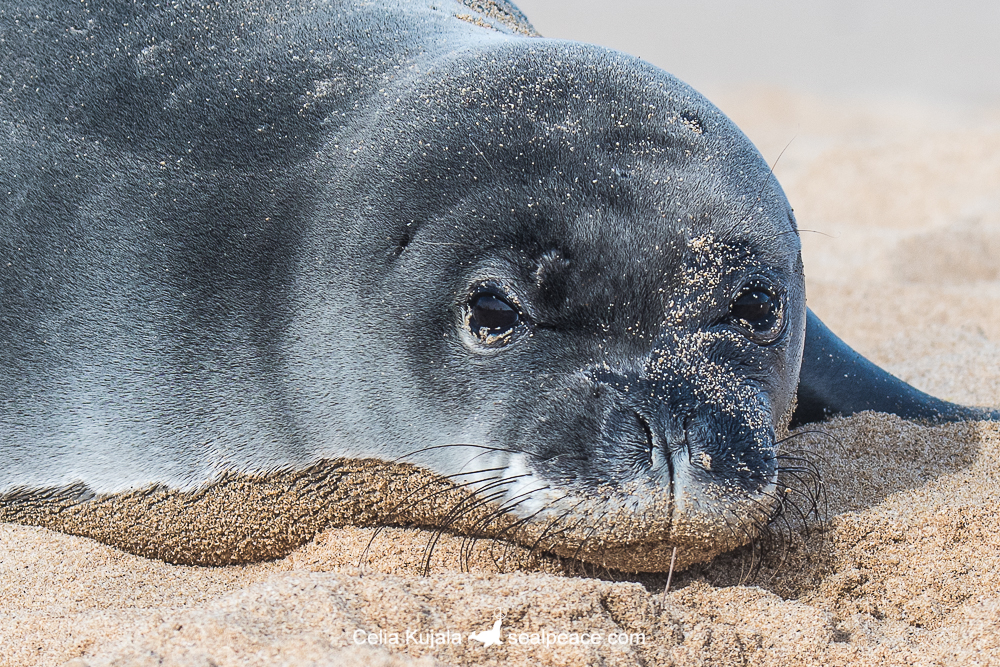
489	315
757	310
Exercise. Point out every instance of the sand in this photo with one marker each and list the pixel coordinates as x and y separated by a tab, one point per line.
901	205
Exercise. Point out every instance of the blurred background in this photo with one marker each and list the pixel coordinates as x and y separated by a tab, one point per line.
900	49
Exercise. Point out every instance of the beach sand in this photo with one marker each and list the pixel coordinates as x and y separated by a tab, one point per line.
900	211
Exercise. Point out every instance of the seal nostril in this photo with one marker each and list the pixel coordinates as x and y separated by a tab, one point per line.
404	241
659	460
650	441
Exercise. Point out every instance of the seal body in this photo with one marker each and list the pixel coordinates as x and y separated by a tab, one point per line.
248	238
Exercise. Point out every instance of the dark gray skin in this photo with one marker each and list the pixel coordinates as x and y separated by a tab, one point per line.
255	236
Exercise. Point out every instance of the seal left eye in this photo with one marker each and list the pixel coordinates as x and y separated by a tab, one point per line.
490	312
757	310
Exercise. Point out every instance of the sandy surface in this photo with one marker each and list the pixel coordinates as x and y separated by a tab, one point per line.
903	260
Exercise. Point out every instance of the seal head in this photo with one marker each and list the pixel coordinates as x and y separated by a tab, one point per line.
591	279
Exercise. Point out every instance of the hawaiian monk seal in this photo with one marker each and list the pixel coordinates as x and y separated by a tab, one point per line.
268	267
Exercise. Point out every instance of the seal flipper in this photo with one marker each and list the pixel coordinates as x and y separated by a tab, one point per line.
836	380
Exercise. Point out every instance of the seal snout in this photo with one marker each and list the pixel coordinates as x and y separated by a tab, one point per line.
652	464
683	444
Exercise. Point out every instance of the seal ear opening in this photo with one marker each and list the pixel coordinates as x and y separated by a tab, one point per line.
836	380
693	122
404	240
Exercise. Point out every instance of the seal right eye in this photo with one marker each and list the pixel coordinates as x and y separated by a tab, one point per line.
489	315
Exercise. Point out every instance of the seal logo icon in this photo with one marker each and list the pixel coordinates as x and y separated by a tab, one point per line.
489	637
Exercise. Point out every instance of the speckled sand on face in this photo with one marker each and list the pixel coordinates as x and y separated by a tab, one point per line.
907	571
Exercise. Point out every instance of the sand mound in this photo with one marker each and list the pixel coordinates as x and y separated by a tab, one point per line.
905	570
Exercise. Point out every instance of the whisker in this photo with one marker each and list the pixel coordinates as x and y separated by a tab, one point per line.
554	522
456	513
398	507
590	533
503	509
403	458
465	506
745	213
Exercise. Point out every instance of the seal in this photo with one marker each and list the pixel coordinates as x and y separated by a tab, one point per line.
266	268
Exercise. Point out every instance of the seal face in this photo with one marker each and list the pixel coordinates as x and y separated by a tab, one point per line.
245	253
